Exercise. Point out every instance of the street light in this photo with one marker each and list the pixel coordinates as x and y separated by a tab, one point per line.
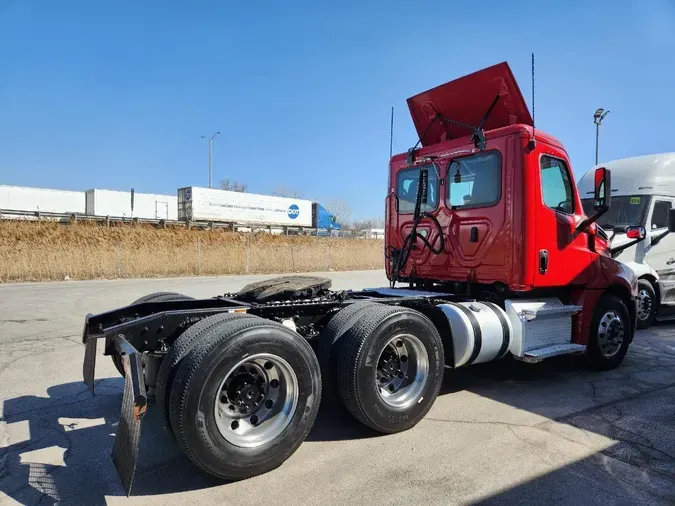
210	156
597	119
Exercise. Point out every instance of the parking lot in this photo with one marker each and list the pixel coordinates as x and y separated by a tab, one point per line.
511	433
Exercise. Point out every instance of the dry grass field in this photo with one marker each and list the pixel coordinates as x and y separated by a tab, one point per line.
42	251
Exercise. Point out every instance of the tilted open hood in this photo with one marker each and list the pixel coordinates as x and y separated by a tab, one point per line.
466	100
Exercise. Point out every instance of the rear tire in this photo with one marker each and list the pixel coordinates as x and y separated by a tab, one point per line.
205	378
152	297
331	335
390	368
647	304
611	334
180	348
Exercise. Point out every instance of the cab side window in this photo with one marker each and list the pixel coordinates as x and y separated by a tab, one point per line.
556	186
474	181
407	182
660	214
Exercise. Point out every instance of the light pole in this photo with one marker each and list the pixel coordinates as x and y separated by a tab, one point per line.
210	139
597	119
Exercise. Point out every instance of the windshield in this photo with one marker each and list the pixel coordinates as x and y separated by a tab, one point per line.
625	210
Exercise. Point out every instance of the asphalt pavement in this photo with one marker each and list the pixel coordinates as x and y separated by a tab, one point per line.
505	433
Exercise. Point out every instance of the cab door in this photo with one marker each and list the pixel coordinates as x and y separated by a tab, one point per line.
660	254
562	252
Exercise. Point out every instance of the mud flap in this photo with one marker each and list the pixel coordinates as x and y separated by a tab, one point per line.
134	405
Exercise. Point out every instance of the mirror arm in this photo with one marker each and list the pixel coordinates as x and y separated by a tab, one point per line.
657	238
619	249
586	222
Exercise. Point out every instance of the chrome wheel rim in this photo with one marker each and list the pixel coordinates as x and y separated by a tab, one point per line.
402	371
611	331
644	305
256	400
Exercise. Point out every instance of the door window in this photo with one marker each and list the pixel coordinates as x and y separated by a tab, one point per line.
660	214
556	188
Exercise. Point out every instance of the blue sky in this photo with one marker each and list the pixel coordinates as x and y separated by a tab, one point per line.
117	94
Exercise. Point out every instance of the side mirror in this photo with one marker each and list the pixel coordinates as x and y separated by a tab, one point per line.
602	195
636	233
671	220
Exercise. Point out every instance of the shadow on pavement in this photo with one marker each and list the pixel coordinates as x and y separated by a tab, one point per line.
66	440
63	442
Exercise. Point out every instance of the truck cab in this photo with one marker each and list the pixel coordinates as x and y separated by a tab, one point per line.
502	216
643	193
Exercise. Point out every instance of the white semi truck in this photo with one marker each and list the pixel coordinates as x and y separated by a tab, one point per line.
643	192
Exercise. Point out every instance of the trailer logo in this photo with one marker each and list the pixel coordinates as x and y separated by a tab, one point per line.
293	211
188	194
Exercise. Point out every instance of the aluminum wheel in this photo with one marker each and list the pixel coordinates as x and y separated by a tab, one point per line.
611	332
402	371
256	400
644	305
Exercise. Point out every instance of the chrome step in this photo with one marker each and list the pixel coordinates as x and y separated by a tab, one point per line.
540	354
548	311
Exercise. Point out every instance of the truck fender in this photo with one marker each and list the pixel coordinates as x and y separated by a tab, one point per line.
588	299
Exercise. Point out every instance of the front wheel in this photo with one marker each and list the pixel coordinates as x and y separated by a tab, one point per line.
646	309
611	334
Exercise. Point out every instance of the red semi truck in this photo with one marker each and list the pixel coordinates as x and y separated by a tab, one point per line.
485	229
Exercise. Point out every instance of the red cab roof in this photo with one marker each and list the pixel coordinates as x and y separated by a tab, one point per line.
466	100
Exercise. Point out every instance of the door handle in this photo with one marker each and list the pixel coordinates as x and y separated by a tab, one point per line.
670	261
543	261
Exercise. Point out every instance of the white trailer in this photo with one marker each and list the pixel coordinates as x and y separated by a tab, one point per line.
643	192
207	204
117	204
32	200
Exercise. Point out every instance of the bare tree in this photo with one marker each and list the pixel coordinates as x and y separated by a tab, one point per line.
378	222
233	186
368	223
341	210
283	191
